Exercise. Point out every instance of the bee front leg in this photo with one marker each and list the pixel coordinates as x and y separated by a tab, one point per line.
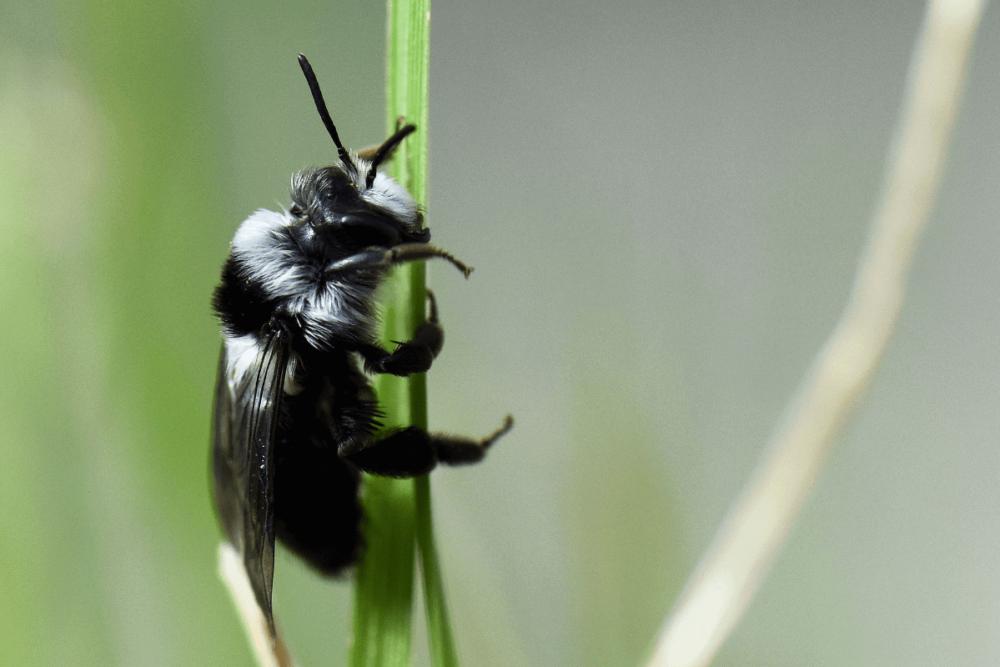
413	356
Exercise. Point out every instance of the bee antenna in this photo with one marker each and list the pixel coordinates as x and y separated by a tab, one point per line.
324	114
385	149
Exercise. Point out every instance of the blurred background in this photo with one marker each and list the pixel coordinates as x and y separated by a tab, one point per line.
664	203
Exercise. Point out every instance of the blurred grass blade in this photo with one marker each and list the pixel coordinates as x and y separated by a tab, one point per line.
396	508
234	575
442	645
760	520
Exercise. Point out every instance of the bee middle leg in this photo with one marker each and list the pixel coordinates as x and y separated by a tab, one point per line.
413	451
413	356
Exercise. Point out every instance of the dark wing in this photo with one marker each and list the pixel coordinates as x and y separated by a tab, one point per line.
246	421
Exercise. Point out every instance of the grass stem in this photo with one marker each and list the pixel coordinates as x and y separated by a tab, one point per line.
760	520
398	512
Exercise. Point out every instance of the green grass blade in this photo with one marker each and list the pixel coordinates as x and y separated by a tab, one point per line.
442	646
399	511
407	94
384	591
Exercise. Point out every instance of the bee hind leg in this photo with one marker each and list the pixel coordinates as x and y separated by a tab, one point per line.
413	451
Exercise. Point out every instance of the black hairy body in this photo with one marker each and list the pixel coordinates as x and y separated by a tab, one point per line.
317	513
296	420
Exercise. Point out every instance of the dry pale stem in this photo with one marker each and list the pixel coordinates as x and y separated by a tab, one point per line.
234	575
728	575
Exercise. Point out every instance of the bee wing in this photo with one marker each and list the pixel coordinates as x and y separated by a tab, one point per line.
247	410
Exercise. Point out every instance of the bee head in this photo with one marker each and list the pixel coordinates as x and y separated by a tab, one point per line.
336	206
351	200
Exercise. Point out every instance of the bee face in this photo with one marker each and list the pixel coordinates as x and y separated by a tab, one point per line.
336	203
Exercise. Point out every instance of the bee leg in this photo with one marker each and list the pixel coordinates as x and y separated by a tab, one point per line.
458	450
413	451
403	453
413	356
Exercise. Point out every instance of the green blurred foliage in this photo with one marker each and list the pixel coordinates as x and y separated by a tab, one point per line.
121	186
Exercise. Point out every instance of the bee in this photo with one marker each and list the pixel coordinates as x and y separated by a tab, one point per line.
295	417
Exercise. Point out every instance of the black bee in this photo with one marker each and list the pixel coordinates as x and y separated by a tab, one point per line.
295	415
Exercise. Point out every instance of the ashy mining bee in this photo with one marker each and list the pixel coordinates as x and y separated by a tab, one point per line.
296	419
